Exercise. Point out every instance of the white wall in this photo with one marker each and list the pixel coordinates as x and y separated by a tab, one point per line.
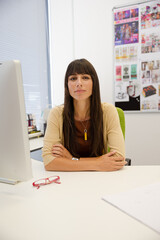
87	32
61	45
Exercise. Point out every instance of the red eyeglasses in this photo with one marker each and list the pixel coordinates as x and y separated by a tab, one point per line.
45	181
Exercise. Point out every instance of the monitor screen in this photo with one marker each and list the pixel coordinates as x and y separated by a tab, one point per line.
15	162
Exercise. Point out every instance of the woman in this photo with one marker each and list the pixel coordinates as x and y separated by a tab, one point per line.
79	132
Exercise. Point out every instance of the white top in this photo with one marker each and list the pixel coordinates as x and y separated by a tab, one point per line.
73	209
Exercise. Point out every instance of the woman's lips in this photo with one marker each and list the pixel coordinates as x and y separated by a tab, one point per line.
80	91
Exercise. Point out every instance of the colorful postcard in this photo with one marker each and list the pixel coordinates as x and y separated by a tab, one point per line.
118	73
126	33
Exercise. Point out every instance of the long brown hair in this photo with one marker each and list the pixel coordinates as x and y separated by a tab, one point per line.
82	66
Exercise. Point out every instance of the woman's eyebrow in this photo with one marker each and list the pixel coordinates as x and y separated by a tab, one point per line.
74	74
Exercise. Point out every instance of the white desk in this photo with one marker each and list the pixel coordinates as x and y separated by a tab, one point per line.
73	210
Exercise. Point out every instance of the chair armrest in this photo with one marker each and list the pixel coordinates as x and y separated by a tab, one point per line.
128	160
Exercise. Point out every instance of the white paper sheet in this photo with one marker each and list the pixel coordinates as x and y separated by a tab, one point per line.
141	203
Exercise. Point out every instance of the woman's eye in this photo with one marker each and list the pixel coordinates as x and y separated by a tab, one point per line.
72	78
86	77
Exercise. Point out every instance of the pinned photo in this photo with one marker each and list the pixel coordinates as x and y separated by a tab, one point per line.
149	91
134	89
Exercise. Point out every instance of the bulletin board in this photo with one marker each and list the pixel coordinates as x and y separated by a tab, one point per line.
137	56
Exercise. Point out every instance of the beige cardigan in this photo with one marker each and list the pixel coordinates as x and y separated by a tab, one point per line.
113	137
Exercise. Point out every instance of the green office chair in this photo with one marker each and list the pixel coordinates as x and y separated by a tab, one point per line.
122	123
122	120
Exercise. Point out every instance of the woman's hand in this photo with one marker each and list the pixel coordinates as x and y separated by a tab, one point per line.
108	162
59	150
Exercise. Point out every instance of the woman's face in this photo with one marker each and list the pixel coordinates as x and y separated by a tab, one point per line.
80	86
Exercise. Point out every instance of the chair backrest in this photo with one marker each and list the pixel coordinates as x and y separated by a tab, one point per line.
122	123
122	120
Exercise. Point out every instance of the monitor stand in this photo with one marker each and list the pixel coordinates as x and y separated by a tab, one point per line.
8	181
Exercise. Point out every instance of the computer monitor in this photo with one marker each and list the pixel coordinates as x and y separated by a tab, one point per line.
15	162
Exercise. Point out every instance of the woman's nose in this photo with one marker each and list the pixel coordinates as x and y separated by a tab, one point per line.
79	81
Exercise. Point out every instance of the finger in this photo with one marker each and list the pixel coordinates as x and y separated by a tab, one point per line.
58	145
56	155
118	159
57	148
110	153
118	164
55	151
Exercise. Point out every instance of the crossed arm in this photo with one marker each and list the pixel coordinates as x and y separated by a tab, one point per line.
63	161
